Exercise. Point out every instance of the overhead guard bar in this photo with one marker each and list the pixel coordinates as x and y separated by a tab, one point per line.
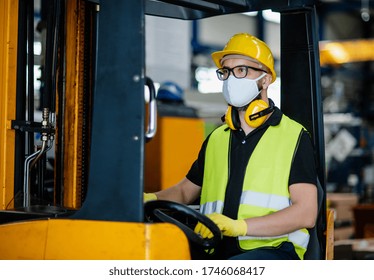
197	9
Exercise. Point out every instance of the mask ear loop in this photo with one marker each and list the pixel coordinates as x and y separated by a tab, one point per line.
258	96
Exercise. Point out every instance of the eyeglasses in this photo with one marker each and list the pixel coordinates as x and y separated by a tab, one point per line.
239	72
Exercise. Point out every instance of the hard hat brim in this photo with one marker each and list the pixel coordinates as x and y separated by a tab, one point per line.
217	57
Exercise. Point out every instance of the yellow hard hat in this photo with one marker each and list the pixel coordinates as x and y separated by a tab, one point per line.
250	46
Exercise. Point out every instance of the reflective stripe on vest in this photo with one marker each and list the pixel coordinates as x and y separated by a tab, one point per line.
265	187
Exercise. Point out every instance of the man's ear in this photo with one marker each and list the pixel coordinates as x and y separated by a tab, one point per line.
266	81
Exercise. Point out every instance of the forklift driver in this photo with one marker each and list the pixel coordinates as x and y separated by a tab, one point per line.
255	175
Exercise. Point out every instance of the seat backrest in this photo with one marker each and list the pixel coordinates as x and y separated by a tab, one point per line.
314	250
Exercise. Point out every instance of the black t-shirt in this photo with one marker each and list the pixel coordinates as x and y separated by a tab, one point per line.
303	169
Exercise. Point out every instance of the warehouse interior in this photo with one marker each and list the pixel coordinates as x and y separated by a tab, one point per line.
347	90
177	54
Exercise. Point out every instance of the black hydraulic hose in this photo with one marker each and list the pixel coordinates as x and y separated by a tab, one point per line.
20	142
30	68
60	117
53	21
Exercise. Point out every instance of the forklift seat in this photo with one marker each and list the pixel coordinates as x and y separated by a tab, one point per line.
329	233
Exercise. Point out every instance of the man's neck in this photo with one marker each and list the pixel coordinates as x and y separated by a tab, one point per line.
246	128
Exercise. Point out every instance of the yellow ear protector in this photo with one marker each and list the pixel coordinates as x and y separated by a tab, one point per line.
231	118
255	115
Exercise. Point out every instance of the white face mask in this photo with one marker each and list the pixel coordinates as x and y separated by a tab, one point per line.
240	92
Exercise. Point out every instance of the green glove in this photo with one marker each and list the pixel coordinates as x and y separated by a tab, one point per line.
149	197
228	226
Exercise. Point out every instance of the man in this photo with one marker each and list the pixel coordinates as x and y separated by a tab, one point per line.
255	175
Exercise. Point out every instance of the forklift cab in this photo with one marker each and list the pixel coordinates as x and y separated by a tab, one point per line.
109	223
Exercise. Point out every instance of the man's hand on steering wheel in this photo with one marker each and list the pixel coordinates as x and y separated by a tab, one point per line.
159	210
228	226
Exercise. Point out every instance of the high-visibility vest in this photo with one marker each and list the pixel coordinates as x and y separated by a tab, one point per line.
265	187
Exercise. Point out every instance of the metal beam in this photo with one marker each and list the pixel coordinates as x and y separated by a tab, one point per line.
301	97
117	149
197	9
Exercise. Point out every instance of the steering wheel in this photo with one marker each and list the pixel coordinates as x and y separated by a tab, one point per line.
156	210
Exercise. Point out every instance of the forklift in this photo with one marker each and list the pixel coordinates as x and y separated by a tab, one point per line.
94	115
